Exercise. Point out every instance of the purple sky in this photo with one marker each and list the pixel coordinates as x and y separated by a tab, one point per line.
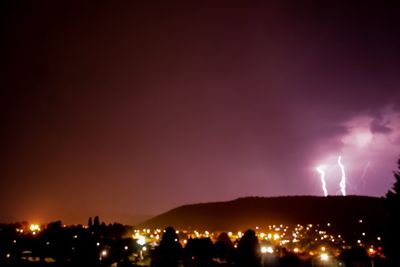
125	109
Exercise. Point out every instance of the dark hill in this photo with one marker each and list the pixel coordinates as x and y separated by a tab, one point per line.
243	213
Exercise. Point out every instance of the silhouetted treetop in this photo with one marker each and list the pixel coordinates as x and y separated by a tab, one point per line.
392	236
248	250
395	191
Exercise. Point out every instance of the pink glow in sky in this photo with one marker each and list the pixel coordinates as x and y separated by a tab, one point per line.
368	144
133	108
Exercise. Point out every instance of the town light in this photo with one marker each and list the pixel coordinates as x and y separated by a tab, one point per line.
324	257
267	250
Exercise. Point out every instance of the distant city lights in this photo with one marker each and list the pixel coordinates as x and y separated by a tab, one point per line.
316	241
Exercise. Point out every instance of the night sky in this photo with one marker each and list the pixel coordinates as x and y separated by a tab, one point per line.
121	110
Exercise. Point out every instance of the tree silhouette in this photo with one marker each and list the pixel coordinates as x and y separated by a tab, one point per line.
356	256
248	251
96	223
169	252
392	239
223	248
90	223
198	251
393	194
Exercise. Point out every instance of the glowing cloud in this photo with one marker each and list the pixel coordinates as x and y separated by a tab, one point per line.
367	148
359	137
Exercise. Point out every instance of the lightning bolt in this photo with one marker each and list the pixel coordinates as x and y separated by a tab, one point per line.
363	180
365	169
342	183
321	170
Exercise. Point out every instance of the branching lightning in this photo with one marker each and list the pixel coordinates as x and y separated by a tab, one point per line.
342	183
364	173
321	170
365	169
